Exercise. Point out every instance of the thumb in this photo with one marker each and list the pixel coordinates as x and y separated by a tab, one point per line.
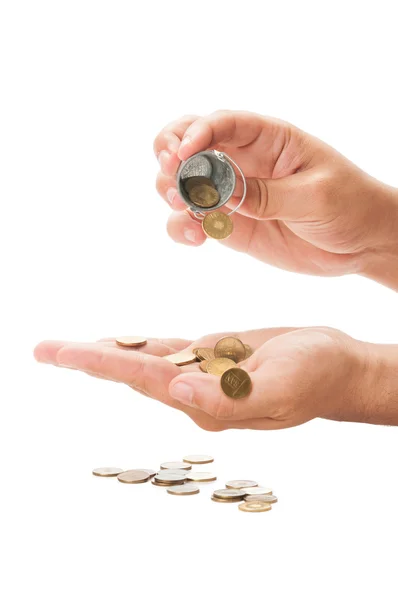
204	392
288	198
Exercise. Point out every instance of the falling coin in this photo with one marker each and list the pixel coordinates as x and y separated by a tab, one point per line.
204	196
230	347
203	365
176	465
201	477
107	471
255	506
238	484
217	225
218	366
192	182
181	358
270	498
227	494
256	491
133	476
198	459
236	383
188	489
131	341
204	353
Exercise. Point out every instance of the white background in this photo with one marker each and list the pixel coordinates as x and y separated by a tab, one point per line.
85	87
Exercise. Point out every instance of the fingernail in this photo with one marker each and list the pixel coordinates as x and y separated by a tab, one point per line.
183	393
170	195
187	140
190	235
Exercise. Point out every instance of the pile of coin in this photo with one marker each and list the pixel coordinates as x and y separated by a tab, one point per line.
203	193
222	361
179	480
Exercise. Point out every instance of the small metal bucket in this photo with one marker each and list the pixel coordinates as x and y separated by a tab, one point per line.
216	166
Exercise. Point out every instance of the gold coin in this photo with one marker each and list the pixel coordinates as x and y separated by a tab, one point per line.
204	353
204	196
198	459
201	477
107	471
236	383
270	498
181	358
176	465
188	489
249	351
225	500
227	494
255	506
238	484
134	476
230	347
131	341
192	182
218	366
256	491
203	365
217	225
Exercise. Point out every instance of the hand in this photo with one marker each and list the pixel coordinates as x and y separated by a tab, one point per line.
297	375
308	209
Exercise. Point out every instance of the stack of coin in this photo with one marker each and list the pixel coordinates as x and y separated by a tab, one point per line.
222	361
178	479
202	192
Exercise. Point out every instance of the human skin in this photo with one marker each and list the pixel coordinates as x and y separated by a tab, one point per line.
308	209
297	375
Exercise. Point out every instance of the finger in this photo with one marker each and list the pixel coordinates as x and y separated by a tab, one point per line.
173	344
184	229
169	162
203	391
238	128
166	187
151	347
170	137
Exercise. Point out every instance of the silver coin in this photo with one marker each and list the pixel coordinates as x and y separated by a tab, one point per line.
256	491
181	472
188	489
238	484
202	476
166	484
176	465
229	493
198	459
270	498
169	477
107	471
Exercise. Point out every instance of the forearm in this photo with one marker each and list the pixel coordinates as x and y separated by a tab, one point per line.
378	391
381	261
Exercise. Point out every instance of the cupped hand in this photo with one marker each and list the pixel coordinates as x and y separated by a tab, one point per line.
297	375
308	209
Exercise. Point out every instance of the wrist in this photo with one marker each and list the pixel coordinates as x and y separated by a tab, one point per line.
380	261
